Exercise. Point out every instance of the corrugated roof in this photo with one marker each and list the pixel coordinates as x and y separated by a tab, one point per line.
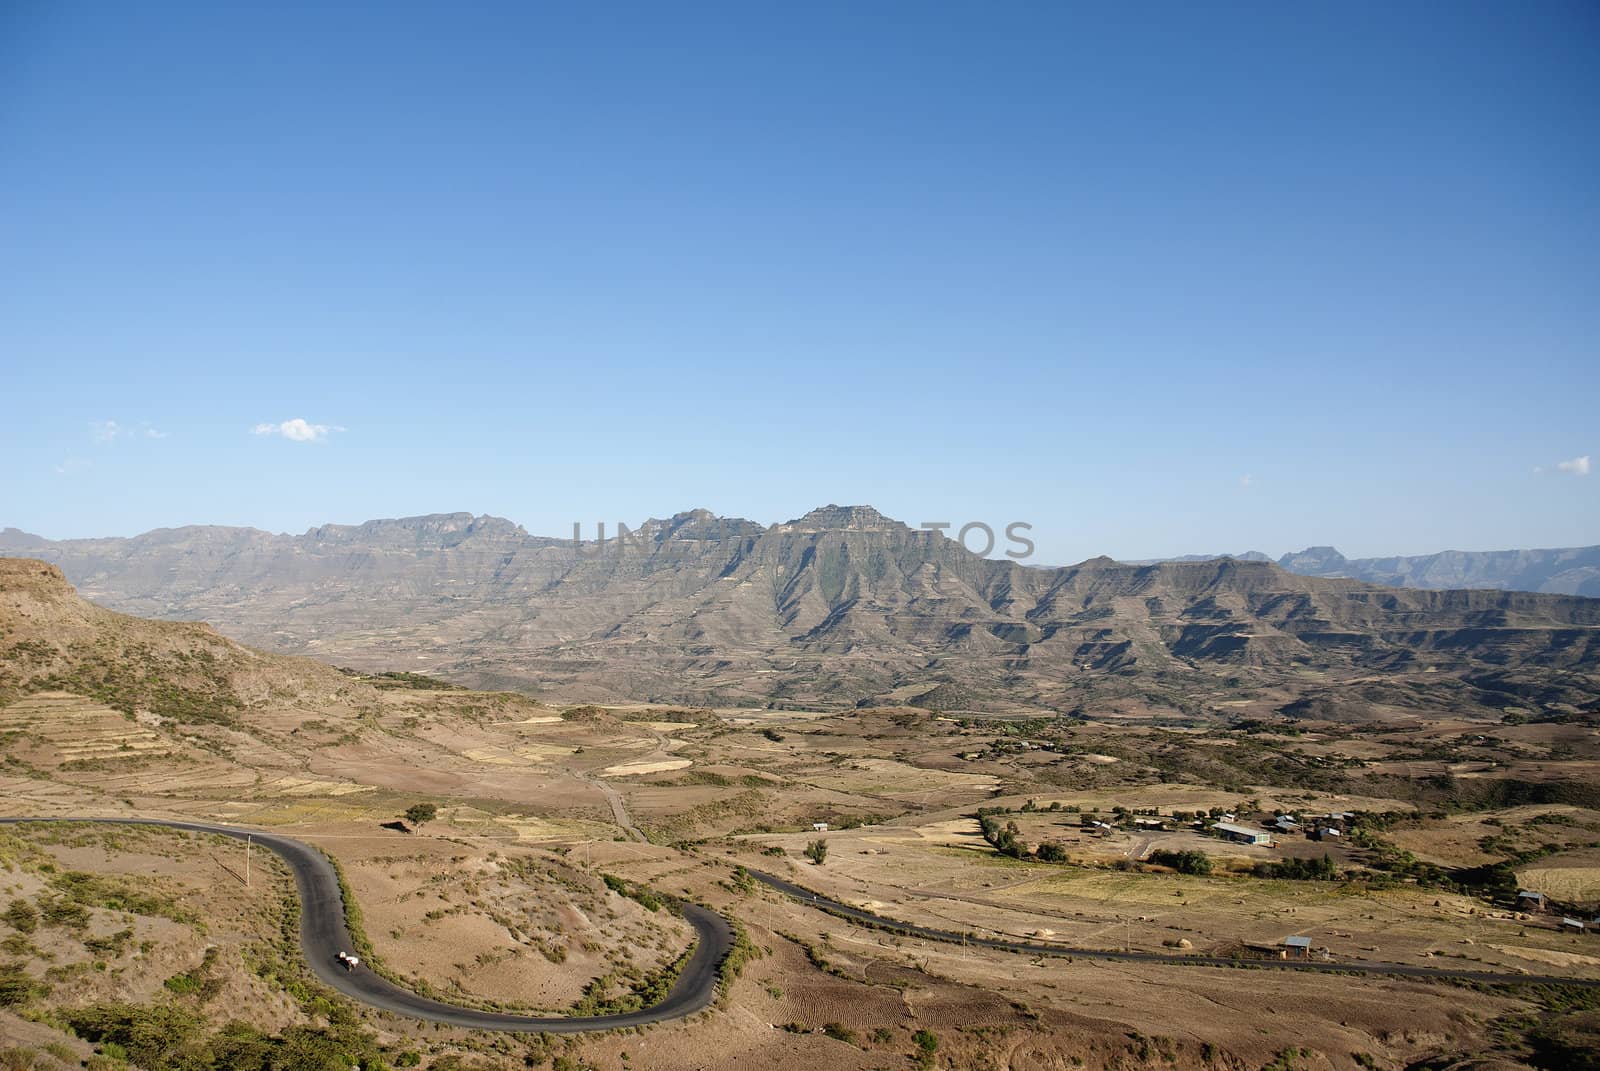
1297	942
1245	831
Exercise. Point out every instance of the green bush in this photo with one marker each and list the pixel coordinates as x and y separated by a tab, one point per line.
21	916
16	987
1298	870
1185	862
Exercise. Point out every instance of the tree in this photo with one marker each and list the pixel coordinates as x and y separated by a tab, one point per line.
419	813
1051	852
817	851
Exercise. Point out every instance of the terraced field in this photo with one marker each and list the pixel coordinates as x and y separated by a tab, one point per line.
58	728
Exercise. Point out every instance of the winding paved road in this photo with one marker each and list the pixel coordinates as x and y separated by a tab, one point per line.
323	935
867	918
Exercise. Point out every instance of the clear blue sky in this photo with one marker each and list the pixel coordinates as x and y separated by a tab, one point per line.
1154	278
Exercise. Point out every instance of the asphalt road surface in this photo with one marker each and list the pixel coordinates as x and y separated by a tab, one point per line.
867	918
323	936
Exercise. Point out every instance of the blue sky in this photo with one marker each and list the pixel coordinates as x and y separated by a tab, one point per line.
1155	279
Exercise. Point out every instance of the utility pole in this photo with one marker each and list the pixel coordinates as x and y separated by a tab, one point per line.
248	841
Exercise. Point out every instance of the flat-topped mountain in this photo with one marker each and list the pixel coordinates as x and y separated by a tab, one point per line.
838	607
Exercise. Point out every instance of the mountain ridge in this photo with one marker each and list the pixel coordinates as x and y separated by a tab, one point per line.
840	606
1548	570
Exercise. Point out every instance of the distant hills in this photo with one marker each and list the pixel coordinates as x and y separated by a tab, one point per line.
845	606
1561	571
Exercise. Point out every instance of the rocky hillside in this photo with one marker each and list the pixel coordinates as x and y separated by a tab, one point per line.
53	640
839	607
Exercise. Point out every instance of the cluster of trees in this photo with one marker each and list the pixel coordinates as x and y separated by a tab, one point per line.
1298	869
1184	862
1005	838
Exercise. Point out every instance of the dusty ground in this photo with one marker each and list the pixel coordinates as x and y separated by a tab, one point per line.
499	899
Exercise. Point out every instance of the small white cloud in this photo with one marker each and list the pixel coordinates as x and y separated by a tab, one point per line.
109	431
297	430
71	465
1576	466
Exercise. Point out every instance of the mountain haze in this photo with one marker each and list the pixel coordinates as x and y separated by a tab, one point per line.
841	606
1563	571
1559	571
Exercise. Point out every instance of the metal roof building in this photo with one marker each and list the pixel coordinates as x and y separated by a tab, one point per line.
1244	834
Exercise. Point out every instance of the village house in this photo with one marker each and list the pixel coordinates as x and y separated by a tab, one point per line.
1528	900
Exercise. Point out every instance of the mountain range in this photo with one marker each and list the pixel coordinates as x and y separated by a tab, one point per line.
1558	571
841	607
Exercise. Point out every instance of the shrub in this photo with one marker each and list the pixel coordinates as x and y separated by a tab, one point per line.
17	988
21	916
60	911
817	851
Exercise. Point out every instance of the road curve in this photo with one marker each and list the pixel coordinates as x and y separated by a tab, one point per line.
1405	970
323	934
